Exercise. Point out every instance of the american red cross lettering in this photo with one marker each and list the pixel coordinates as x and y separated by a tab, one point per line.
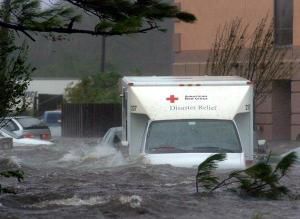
172	98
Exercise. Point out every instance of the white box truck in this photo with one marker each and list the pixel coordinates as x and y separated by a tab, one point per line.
183	120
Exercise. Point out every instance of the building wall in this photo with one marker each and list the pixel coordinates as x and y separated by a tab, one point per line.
51	86
295	112
213	13
192	43
281	110
264	118
296	24
295	84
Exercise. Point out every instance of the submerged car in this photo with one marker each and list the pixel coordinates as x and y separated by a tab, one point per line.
53	120
112	137
21	141
28	127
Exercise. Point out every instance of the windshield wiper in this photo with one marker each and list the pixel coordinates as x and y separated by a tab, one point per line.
211	149
166	149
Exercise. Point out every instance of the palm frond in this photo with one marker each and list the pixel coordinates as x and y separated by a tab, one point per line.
204	175
286	163
211	162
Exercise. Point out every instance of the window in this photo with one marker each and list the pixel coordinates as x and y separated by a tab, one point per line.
284	22
31	123
53	117
192	136
10	125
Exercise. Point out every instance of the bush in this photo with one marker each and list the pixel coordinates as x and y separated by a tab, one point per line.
99	88
18	174
259	180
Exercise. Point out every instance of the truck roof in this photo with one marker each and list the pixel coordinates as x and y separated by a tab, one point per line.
184	80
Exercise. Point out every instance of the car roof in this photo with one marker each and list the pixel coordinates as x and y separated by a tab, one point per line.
53	111
20	117
119	128
17	117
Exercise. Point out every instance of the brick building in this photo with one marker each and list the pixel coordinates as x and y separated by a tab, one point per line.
279	116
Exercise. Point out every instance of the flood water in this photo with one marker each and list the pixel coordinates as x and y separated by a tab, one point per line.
80	179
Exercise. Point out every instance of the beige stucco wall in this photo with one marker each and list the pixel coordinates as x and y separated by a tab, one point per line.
213	13
296	23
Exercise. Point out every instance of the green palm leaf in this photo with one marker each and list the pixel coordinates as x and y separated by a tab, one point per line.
204	175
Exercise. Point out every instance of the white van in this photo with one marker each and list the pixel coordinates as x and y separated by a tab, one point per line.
183	120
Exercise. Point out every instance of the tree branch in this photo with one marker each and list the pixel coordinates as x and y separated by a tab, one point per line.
24	29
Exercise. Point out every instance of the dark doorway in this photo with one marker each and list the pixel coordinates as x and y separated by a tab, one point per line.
281	106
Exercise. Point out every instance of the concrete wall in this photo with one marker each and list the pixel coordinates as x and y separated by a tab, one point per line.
295	112
296	24
264	118
213	13
281	110
50	86
192	42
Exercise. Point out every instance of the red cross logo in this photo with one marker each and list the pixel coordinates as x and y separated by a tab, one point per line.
172	98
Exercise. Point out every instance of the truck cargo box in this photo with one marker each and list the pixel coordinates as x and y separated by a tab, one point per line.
183	120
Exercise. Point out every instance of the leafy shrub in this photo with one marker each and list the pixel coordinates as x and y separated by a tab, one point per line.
98	88
259	180
204	175
18	174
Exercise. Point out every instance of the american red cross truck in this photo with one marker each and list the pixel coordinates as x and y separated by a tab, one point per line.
183	120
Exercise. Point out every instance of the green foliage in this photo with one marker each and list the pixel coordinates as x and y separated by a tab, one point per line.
99	88
14	75
185	16
18	174
204	175
114	17
285	163
130	16
257	216
30	14
259	180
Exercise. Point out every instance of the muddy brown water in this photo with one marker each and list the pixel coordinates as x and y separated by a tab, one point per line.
76	179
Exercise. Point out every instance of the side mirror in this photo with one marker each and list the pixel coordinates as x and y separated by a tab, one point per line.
261	142
124	143
117	139
262	146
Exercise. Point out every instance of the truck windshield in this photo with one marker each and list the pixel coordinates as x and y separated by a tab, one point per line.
192	136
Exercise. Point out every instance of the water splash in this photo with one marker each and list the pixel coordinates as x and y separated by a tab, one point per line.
10	162
100	151
74	201
71	156
134	201
99	156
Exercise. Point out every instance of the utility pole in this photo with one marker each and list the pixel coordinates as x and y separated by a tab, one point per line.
103	53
